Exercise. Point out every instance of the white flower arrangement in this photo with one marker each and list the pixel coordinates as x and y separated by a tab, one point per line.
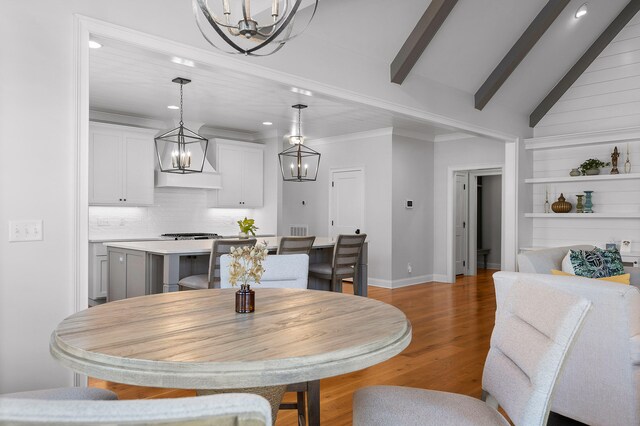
246	264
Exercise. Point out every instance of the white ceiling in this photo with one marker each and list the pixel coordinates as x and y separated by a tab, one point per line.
471	42
127	80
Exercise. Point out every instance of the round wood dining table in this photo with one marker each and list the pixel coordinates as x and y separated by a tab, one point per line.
196	340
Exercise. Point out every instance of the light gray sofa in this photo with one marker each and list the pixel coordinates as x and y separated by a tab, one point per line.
600	383
544	260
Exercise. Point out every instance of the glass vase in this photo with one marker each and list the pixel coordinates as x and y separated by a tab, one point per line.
245	299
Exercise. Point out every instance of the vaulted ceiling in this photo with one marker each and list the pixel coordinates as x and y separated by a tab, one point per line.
471	42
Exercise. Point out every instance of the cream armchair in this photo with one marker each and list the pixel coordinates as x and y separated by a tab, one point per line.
600	383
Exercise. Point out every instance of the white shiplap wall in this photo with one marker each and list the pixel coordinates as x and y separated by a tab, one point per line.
606	96
614	196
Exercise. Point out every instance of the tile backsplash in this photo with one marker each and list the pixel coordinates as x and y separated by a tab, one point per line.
174	210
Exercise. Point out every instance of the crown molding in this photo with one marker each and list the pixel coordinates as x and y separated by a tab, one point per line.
387	131
125	120
456	136
427	137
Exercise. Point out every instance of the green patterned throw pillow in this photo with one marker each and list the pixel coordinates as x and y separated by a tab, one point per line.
597	263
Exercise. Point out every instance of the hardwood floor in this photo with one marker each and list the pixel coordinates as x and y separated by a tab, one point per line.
452	324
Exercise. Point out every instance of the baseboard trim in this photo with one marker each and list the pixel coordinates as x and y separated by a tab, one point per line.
490	266
380	283
441	278
404	282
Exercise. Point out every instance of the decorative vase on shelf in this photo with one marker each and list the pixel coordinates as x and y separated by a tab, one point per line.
243	235
592	172
579	205
588	205
245	299
547	207
561	206
574	172
627	164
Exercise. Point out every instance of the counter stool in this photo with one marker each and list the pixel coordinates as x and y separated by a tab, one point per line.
296	245
212	279
346	259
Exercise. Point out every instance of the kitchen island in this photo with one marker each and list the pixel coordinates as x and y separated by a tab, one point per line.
137	268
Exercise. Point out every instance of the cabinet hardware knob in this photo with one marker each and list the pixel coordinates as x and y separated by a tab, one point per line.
120	199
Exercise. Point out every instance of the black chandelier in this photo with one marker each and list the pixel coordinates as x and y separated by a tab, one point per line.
180	148
299	163
259	34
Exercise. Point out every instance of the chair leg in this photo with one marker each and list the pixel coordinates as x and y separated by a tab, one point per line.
313	403
336	285
301	405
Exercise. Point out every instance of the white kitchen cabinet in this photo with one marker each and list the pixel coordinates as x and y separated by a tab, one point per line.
98	271
120	165
241	167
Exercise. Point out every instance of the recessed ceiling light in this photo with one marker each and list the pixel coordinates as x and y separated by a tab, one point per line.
173	107
301	91
94	44
582	10
185	62
267	123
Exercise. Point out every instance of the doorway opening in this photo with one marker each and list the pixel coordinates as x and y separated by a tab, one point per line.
478	224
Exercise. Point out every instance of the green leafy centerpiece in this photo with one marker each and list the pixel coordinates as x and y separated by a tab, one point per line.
247	226
246	268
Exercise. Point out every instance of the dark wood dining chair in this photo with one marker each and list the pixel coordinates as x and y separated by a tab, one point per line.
346	259
296	245
212	279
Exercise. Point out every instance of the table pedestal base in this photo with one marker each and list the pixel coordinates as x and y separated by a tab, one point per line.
273	394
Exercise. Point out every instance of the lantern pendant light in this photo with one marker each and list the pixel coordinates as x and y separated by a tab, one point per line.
299	163
181	150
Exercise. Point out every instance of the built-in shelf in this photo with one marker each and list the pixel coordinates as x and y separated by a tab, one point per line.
584	215
592	178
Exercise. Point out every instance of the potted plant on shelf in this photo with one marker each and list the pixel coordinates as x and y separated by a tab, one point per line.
247	226
592	166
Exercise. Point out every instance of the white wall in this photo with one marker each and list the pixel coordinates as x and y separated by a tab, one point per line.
37	97
491	220
607	94
461	155
371	150
412	228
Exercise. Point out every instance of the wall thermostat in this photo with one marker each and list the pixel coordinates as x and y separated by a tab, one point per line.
409	204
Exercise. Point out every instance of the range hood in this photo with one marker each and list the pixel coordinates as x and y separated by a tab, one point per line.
208	179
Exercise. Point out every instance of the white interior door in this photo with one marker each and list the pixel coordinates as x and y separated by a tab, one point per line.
462	213
347	202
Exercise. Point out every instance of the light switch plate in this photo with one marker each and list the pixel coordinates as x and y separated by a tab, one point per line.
25	230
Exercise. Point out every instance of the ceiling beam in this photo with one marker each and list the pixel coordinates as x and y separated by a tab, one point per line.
519	51
419	39
583	63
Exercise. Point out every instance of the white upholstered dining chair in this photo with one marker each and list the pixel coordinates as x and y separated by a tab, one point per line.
534	331
216	410
287	271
